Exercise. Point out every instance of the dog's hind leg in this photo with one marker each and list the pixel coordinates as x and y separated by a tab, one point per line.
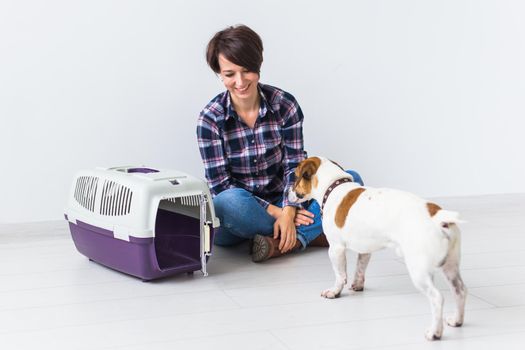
423	279
337	254
359	277
451	271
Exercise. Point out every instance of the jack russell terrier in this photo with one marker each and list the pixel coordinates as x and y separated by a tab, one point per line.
367	219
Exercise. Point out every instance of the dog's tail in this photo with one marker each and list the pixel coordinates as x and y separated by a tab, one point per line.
447	217
447	221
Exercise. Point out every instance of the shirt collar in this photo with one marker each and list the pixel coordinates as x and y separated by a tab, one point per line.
263	109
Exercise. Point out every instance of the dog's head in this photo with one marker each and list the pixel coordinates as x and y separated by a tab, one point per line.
305	180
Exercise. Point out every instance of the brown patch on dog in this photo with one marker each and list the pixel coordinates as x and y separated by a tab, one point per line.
305	176
345	205
433	208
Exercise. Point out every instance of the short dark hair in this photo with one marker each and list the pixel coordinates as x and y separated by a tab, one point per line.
238	44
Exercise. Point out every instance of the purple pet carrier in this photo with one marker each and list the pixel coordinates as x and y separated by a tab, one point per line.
144	222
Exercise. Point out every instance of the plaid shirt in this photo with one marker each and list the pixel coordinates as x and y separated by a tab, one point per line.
261	160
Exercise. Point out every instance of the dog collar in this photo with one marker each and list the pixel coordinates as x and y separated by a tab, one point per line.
331	188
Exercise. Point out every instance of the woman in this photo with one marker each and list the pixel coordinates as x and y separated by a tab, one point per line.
250	139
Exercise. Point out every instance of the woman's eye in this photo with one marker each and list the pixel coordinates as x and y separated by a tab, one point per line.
228	75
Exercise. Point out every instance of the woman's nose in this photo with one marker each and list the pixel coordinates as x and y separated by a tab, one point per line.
239	79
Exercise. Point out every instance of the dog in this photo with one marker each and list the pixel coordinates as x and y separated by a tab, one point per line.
366	219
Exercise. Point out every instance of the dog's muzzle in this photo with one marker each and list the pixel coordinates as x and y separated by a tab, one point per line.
290	194
293	196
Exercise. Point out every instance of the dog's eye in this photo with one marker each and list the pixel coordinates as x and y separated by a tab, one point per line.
306	176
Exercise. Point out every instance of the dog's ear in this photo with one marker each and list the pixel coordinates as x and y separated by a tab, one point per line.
309	167
308	170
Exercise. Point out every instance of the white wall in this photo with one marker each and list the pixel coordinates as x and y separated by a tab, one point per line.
426	96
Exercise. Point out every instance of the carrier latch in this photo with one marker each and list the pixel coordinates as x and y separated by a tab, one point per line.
205	234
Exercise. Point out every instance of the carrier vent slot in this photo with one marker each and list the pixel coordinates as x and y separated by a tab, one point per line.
85	191
192	201
116	199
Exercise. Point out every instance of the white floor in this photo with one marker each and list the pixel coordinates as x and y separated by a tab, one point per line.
51	297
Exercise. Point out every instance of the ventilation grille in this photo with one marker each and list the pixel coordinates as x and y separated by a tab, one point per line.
191	201
85	191
116	199
173	200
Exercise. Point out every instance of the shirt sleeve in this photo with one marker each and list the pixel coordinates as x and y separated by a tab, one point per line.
212	154
293	145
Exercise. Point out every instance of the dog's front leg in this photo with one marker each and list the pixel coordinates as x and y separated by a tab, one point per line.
338	259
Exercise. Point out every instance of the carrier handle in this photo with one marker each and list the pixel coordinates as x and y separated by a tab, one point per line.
141	170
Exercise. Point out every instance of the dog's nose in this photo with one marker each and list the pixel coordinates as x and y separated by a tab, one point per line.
300	196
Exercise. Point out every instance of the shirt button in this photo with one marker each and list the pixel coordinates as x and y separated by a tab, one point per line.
253	141
255	160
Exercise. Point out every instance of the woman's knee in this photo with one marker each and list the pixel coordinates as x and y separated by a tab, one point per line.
229	198
241	214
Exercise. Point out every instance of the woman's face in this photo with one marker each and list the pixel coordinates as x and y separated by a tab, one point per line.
241	84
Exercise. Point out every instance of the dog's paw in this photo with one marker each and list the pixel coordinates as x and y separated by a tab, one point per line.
432	335
329	294
357	287
453	321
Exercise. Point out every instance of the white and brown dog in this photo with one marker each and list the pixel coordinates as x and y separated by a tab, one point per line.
367	219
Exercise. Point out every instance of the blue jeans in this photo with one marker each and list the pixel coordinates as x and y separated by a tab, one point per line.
242	217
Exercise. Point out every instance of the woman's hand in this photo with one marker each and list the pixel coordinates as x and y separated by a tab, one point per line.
284	227
303	217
